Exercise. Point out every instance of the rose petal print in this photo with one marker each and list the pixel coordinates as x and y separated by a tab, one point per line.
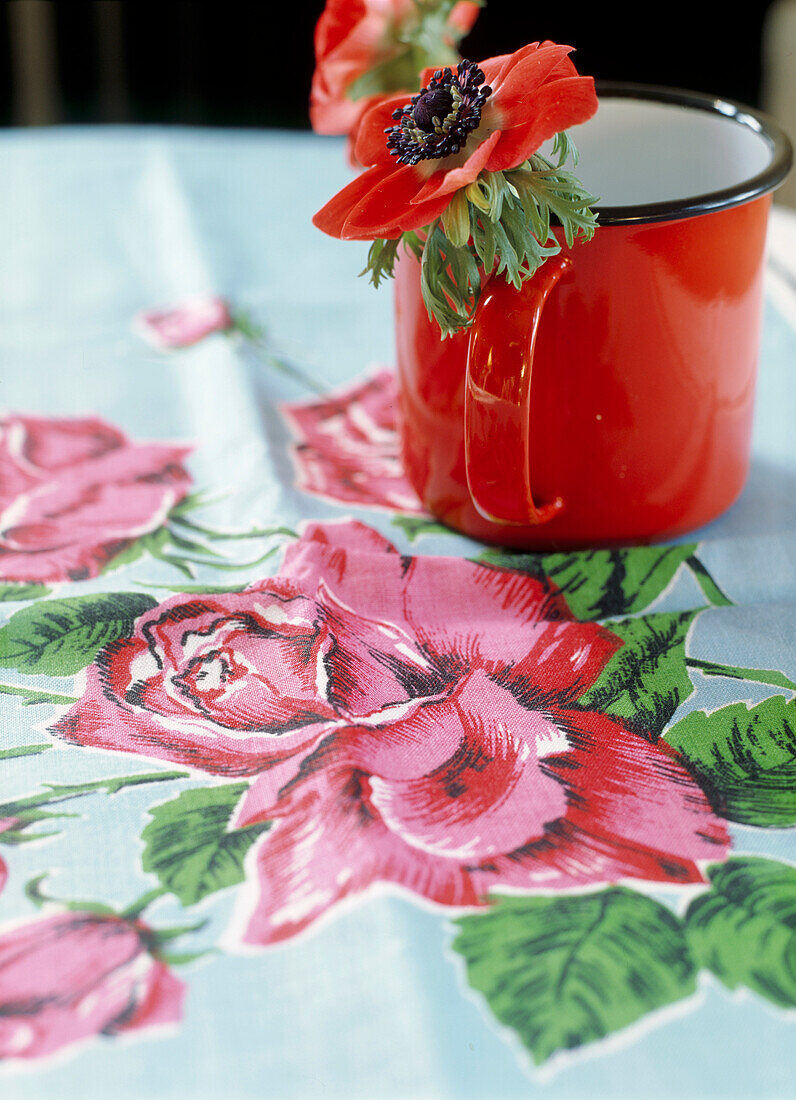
651	799
5	823
48	444
329	845
252	661
490	796
407	720
634	812
158	1000
563	659
103	720
74	493
428	590
347	446
373	664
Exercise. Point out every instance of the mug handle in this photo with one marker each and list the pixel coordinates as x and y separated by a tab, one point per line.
497	399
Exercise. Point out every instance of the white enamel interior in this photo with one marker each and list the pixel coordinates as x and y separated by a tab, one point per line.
635	151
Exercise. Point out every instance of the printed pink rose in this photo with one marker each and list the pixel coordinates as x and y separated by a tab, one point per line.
348	449
496	781
413	721
75	492
184	324
70	977
237	683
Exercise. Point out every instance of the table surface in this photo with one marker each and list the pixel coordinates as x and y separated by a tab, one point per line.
270	842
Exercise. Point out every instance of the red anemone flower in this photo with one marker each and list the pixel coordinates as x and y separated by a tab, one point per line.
488	117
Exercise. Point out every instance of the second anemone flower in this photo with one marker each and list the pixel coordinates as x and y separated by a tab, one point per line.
366	49
465	149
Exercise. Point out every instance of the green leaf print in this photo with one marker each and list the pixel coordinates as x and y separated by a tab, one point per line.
188	846
744	929
569	970
744	758
13	593
601	583
647	679
61	637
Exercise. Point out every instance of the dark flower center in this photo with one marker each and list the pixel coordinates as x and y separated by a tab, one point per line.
438	120
432	105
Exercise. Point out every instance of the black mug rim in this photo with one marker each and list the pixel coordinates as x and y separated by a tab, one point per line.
672	210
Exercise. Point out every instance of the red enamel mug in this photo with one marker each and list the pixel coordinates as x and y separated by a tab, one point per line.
610	399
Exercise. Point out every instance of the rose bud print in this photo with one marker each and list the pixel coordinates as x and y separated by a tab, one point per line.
69	977
184	324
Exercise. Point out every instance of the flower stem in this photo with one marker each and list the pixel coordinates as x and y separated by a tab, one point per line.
192	546
24	750
178	563
707	584
32	697
751	675
255	337
134	911
64	792
223	536
231	565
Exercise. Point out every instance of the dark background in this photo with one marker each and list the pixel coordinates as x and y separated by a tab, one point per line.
250	64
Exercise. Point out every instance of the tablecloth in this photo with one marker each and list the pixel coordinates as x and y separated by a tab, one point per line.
302	795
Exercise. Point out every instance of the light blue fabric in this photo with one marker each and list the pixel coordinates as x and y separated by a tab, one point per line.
98	224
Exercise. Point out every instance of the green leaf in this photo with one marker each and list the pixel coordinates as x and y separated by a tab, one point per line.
183	958
61	637
744	928
12	593
647	679
189	847
569	970
507	217
226	536
711	590
744	759
381	260
601	583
